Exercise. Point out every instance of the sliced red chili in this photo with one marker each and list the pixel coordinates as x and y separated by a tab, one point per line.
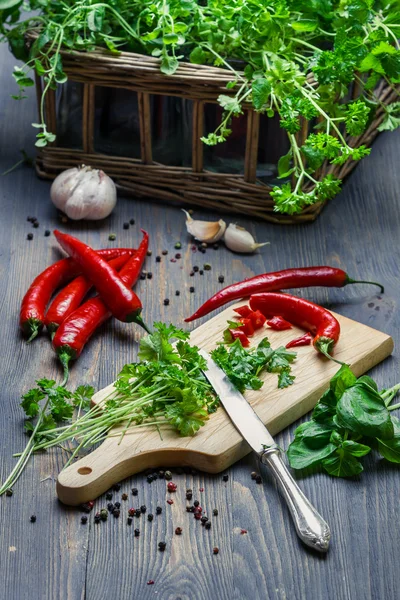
304	340
257	318
279	323
246	326
243	311
236	334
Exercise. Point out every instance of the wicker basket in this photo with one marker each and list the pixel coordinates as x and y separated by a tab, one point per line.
242	193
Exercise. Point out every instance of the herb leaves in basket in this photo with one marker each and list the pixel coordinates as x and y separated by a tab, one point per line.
316	63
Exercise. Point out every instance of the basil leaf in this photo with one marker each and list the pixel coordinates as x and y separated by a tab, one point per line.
300	455
342	464
390	449
355	448
314	434
342	380
362	410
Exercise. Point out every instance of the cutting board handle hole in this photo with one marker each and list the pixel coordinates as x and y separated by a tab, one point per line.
84	470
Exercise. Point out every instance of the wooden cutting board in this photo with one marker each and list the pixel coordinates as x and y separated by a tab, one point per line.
218	444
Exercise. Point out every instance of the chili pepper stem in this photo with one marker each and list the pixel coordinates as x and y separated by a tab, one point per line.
325	352
64	359
139	321
35	333
349	280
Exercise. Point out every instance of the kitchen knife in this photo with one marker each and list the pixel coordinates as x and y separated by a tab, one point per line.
310	526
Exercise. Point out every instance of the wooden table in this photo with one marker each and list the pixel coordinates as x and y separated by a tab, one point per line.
57	557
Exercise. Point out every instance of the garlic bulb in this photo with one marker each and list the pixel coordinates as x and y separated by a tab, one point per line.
84	193
239	240
205	231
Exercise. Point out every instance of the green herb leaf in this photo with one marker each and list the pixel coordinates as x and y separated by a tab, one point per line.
390	449
342	464
362	410
260	90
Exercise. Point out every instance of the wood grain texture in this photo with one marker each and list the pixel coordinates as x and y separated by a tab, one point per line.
57	558
218	444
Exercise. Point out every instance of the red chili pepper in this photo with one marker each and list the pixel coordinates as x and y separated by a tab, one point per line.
237	334
257	318
243	311
273	282
246	326
121	300
279	323
76	330
304	340
72	295
37	297
302	313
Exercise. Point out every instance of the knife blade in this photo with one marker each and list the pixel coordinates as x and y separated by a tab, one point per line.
311	528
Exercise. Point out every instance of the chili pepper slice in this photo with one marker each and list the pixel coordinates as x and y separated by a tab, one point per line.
121	300
279	323
37	297
278	280
304	340
72	295
76	330
257	318
236	334
243	311
246	326
302	313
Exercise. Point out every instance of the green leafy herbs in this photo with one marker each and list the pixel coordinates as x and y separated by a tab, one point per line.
298	60
244	366
350	419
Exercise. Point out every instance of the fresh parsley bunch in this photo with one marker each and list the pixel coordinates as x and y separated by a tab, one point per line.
350	419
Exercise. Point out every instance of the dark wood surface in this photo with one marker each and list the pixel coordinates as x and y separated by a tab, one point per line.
57	557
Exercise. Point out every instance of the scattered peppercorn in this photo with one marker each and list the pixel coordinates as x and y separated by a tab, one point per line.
112	237
204	519
109	496
149	478
129	521
168	475
35	224
171	486
191	274
83	519
134	491
137	532
161	474
166	301
155	476
189	495
29	236
173	260
143	508
116	513
196	503
117	505
150	517
190	509
215	512
215	246
178	255
178	531
162	546
132	221
202	250
86	507
131	512
253	474
201	489
30	219
178	246
47	233
97	518
243	531
207	267
124	497
110	506
201	272
204	245
137	512
191	289
177	293
164	252
149	252
149	275
207	525
142	275
225	477
215	550
150	582
170	501
158	258
195	268
221	279
126	225
258	479
33	519
197	516
158	510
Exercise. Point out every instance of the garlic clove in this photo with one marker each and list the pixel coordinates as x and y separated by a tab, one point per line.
238	239
205	231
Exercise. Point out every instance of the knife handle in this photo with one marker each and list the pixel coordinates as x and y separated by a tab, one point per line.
311	528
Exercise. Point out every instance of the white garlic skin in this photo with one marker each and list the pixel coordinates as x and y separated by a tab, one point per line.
84	193
238	239
205	231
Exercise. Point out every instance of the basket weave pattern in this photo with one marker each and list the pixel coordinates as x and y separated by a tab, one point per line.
193	185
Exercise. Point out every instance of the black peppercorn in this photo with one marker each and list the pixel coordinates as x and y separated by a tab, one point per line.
158	258
162	546
215	512
164	252
177	293
124	497
189	495
191	289
161	474
149	275
97	519
178	531
168	475
191	273
109	496
150	517
129	521
143	508
126	225
190	509
178	255
134	491
207	525
195	268
253	474
149	478
204	519
158	510
201	272
196	503
137	532
137	512
132	221
117	505
221	279
33	519
225	477
83	519
142	276
116	512
215	246
47	233
29	236
110	506
35	224
86	507
258	479
166	301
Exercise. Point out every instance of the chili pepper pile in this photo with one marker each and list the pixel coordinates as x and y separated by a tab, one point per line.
113	272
